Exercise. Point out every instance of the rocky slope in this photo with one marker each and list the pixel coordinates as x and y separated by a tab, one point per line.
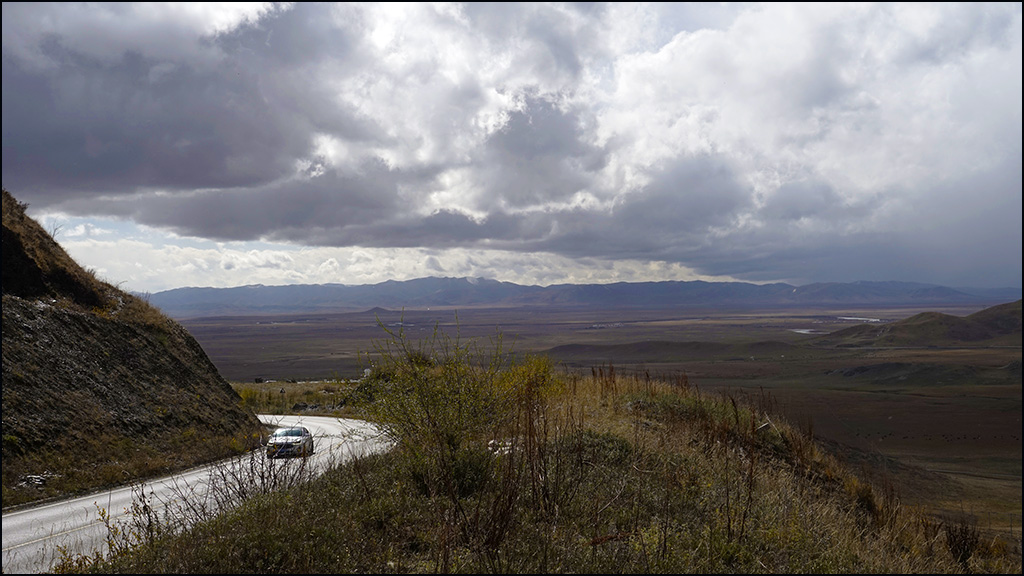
98	386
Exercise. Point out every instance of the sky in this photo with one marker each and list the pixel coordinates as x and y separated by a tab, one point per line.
202	144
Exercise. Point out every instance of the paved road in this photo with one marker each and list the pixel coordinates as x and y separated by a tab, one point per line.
34	537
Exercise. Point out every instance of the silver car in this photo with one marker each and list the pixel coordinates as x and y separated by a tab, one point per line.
291	441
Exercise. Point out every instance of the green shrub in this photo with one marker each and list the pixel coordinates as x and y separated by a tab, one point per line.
441	401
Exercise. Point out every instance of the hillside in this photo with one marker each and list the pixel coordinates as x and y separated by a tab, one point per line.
505	465
995	326
99	387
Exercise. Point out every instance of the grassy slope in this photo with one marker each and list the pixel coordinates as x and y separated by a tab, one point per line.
995	326
591	473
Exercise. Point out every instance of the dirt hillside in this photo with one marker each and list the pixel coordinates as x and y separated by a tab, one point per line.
99	387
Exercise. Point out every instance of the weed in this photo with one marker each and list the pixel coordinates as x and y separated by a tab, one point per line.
962	539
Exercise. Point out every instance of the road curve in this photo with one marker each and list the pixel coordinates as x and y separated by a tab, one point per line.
34	537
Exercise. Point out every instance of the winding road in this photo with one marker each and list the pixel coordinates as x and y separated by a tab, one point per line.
34	537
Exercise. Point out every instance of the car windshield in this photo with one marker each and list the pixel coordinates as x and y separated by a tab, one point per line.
288	432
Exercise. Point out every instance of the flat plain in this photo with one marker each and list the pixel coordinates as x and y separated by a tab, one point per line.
940	425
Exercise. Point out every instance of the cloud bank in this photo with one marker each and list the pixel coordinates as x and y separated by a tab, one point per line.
759	143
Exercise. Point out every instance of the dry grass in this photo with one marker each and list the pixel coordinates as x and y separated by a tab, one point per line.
508	466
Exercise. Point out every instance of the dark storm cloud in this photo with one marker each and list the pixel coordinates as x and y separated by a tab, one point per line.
538	156
665	220
801	200
973	222
87	126
305	211
115	130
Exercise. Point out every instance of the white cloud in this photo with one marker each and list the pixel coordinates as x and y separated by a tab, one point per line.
149	262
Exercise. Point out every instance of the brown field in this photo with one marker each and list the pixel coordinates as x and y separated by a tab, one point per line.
942	426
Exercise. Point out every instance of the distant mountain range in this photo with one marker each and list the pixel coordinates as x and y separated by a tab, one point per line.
479	292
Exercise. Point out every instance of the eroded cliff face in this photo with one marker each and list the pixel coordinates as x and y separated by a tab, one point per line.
99	388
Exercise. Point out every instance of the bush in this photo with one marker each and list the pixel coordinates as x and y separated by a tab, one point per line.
443	400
